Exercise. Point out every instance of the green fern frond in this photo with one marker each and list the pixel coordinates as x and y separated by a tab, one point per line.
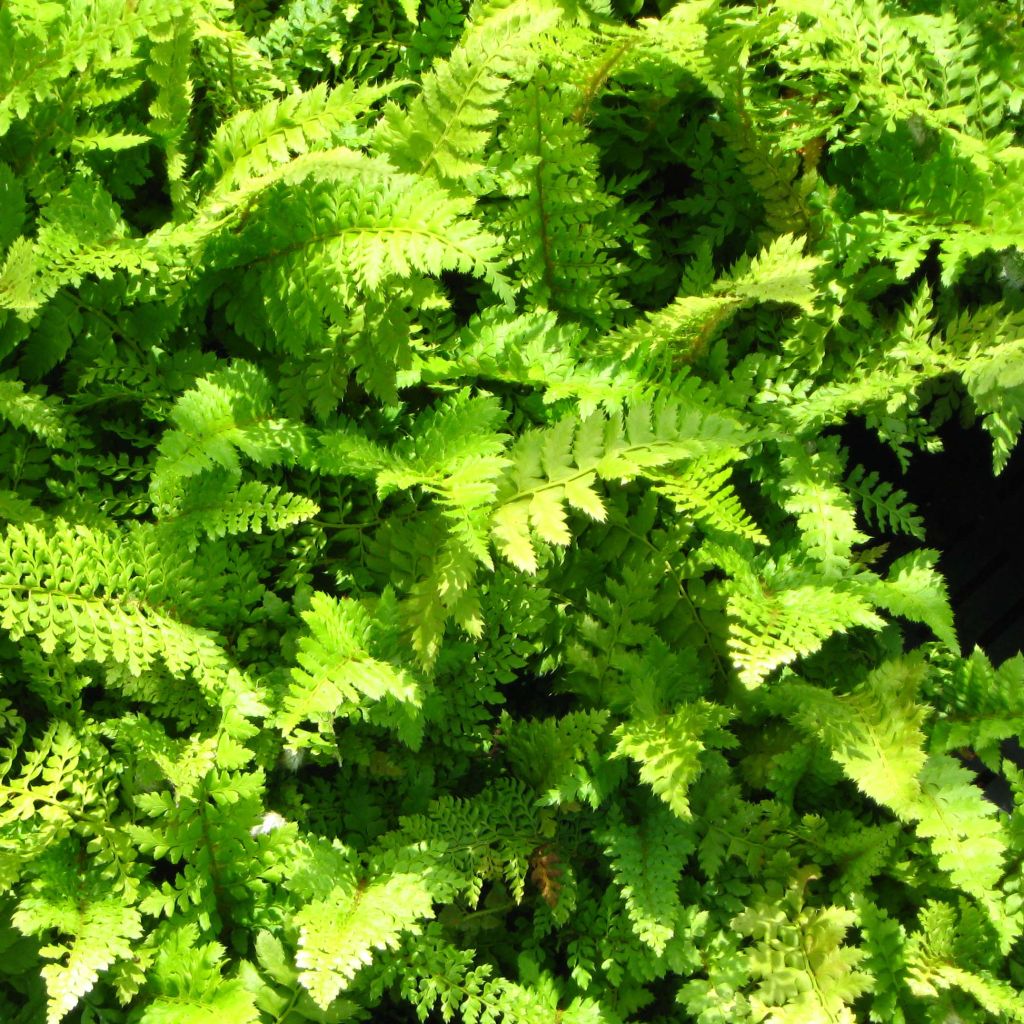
914	589
218	509
341	933
770	627
978	706
97	930
33	411
875	732
341	667
668	748
189	986
703	492
823	510
933	966
226	413
49	43
884	506
553	754
566	231
561	464
169	68
647	861
248	147
78	589
446	128
804	969
354	228
954	815
683	329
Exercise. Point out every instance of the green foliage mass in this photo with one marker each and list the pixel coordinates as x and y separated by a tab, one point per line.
433	581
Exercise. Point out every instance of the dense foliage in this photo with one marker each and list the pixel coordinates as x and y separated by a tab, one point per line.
433	583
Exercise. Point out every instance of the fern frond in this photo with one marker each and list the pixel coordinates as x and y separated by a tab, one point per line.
31	410
48	44
97	930
354	227
770	626
560	466
978	706
228	412
340	934
805	971
341	667
647	862
248	147
875	732
684	328
566	230
773	174
446	128
79	589
553	754
667	749
218	509
883	505
80	234
915	590
934	965
488	838
169	66
438	975
189	986
955	816
823	510
703	492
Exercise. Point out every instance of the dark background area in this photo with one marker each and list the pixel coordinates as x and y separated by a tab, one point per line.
974	519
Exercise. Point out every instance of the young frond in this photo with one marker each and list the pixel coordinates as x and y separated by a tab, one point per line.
345	931
703	492
32	411
318	244
773	626
342	665
875	732
96	929
560	465
78	589
216	508
668	748
446	128
251	145
226	413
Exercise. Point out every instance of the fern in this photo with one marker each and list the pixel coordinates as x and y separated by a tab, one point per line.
648	862
883	505
819	977
772	626
78	588
102	931
436	575
875	732
337	935
561	465
217	510
227	413
337	668
446	128
668	749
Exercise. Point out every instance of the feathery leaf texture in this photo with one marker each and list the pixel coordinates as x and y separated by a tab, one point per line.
443	564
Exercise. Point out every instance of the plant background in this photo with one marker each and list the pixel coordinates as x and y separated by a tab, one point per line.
456	559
